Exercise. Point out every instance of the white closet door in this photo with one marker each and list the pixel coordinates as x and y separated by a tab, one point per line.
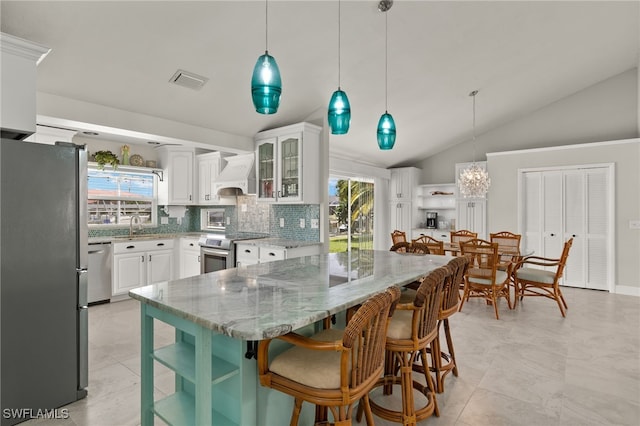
532	232
574	224
551	214
571	203
597	190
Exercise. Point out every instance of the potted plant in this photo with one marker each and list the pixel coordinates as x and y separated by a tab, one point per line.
106	157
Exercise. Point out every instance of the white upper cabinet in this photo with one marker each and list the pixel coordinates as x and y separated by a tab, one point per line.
209	167
404	183
403	206
19	59
178	186
288	164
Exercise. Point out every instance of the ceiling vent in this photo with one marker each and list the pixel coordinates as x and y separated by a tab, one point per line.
188	79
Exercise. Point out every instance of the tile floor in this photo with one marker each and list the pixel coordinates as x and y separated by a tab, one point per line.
532	367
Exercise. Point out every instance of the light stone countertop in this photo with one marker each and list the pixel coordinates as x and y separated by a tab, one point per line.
270	299
278	242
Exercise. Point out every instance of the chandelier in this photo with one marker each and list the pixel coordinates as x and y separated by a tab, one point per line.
474	181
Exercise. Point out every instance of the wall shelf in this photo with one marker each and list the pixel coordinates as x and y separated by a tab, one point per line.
437	196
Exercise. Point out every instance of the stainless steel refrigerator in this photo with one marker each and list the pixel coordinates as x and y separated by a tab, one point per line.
43	279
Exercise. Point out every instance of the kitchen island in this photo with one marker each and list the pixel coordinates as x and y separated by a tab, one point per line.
220	316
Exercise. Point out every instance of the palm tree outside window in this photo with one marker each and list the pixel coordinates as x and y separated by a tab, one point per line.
350	213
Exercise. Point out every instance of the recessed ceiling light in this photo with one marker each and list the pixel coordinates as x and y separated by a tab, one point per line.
91	133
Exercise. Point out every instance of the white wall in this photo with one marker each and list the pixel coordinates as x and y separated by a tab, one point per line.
503	195
605	111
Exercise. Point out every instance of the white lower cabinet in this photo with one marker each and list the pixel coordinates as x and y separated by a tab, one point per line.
271	254
438	234
189	257
139	263
249	254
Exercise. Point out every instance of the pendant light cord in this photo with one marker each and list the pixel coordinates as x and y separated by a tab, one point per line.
339	38
473	94
266	26
386	59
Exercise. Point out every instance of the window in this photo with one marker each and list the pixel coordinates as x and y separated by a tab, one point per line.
115	196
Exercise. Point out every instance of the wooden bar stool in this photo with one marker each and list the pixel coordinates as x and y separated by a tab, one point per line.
412	329
333	368
450	297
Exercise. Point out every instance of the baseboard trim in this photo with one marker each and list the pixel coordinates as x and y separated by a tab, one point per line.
628	290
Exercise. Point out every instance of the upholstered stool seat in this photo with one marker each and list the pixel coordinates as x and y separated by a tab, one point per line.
317	369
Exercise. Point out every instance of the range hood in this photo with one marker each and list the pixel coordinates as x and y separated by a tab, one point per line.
238	177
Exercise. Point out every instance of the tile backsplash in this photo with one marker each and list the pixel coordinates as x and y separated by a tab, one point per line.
247	216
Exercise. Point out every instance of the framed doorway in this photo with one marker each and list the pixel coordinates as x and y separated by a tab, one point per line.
351	213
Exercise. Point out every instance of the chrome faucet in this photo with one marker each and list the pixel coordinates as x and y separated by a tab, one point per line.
137	219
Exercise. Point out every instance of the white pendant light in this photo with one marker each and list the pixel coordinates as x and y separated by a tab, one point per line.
474	181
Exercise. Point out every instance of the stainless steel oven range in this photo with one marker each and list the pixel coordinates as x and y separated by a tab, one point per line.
215	253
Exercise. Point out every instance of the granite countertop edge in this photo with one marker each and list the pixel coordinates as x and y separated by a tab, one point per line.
279	242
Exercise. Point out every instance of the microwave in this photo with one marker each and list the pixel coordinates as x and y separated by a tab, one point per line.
212	219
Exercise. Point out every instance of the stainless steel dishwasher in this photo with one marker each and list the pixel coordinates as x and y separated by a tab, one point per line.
99	270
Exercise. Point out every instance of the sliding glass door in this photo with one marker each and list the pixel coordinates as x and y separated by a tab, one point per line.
350	213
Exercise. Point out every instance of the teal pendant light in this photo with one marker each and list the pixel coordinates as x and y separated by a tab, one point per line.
386	125
386	131
339	112
266	84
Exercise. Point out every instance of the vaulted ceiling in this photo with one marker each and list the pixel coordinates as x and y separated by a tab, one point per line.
520	55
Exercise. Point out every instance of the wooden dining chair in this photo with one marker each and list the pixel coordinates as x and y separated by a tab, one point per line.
407	247
462	235
333	368
509	252
413	327
508	246
483	278
532	280
435	246
398	237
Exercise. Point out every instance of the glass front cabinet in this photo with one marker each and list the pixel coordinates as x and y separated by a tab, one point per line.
287	164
